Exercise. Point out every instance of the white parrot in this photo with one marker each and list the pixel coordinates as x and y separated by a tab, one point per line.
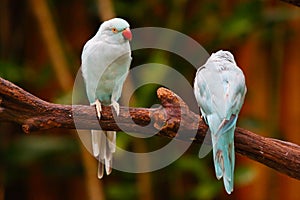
220	89
105	64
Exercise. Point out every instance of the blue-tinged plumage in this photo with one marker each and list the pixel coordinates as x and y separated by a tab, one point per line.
105	63
220	89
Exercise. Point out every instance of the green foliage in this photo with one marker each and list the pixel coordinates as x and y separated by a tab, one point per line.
26	152
11	71
126	190
244	175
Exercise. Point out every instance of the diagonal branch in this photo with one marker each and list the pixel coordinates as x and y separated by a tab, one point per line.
19	106
293	2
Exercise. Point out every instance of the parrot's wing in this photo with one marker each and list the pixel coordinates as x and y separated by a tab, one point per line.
123	63
235	91
202	91
93	66
208	90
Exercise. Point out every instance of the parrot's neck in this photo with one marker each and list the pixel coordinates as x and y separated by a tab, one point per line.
114	40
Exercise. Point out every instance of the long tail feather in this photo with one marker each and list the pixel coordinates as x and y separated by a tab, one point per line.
104	145
95	144
223	151
100	168
110	149
111	136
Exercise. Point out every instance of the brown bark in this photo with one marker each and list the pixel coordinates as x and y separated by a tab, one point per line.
19	106
293	2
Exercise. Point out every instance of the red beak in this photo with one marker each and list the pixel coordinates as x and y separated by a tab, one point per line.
127	34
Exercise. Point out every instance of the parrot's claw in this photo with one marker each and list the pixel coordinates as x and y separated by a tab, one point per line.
97	103
116	107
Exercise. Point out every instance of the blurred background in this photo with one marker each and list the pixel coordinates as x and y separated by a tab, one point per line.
40	47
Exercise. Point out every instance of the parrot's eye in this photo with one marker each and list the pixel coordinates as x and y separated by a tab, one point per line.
114	30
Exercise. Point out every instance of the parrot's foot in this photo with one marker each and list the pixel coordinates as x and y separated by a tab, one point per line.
116	107
97	103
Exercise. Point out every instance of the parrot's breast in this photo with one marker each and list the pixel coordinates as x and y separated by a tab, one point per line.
113	79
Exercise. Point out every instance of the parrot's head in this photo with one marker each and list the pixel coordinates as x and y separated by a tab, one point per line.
223	56
115	31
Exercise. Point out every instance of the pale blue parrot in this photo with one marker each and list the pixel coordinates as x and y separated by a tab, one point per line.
105	64
220	90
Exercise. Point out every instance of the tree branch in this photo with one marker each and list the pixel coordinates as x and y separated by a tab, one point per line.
293	2
19	106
